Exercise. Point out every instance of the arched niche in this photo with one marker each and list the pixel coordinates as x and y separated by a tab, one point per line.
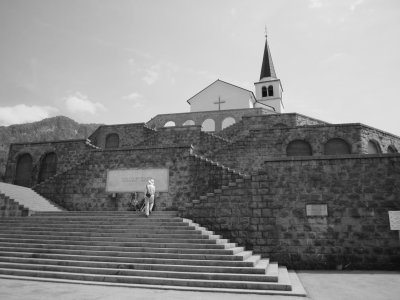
112	141
208	125
169	124
23	173
373	147
337	146
188	123
228	122
298	148
392	149
48	166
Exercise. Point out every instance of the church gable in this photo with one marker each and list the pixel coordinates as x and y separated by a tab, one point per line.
221	95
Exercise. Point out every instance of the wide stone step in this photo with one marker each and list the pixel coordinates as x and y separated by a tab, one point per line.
151	280
231	251
88	227
27	237
127	234
136	243
80	230
139	254
249	262
102	213
259	268
143	273
94	220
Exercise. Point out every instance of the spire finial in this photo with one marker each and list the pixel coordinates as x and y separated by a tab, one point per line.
266	33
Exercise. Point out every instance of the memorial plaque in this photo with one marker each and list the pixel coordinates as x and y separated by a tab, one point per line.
135	180
317	210
394	220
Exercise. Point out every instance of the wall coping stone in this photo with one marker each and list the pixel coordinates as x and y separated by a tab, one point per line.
50	142
333	157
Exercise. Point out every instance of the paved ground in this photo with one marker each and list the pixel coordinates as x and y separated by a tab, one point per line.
320	285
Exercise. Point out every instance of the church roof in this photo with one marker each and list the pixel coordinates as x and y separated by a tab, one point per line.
267	68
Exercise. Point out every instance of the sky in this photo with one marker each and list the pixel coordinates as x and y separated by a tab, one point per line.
125	61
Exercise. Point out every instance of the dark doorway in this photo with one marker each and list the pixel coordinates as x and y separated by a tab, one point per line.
112	141
48	166
23	174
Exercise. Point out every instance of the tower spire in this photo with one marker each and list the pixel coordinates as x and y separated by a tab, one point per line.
267	68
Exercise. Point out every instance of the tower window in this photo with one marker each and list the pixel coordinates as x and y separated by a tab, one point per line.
270	91
264	92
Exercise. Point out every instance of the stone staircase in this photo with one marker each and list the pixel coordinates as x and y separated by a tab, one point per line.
27	198
127	249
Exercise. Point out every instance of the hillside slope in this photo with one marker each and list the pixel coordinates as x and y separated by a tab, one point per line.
50	129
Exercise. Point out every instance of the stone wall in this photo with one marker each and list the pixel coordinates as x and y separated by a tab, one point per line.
199	117
129	134
267	121
267	213
84	187
69	153
250	152
383	139
10	208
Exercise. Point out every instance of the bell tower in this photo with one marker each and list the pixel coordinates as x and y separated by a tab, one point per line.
269	88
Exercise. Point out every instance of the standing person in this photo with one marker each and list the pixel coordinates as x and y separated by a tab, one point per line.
149	196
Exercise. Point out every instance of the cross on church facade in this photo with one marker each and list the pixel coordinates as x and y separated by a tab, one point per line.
219	102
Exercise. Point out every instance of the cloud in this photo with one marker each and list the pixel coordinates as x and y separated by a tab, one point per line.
315	3
136	99
79	103
152	74
354	5
233	12
22	113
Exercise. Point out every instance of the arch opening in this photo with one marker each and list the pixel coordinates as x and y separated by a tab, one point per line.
228	122
373	147
208	125
337	146
298	148
188	123
169	124
23	176
48	166
112	141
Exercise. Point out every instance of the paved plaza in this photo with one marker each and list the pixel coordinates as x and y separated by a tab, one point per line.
320	285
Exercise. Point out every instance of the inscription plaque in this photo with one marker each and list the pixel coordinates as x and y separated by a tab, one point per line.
134	180
394	220
317	210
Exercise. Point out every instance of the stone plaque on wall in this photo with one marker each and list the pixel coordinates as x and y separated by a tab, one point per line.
135	180
317	210
394	220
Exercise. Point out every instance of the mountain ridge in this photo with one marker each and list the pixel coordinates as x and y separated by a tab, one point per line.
49	129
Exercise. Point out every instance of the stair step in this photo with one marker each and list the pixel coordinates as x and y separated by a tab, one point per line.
222	251
249	262
139	254
144	273
151	280
136	243
177	268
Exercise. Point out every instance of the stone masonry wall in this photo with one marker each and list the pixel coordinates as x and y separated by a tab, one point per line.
250	152
199	117
129	134
267	213
68	152
10	208
384	139
84	187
